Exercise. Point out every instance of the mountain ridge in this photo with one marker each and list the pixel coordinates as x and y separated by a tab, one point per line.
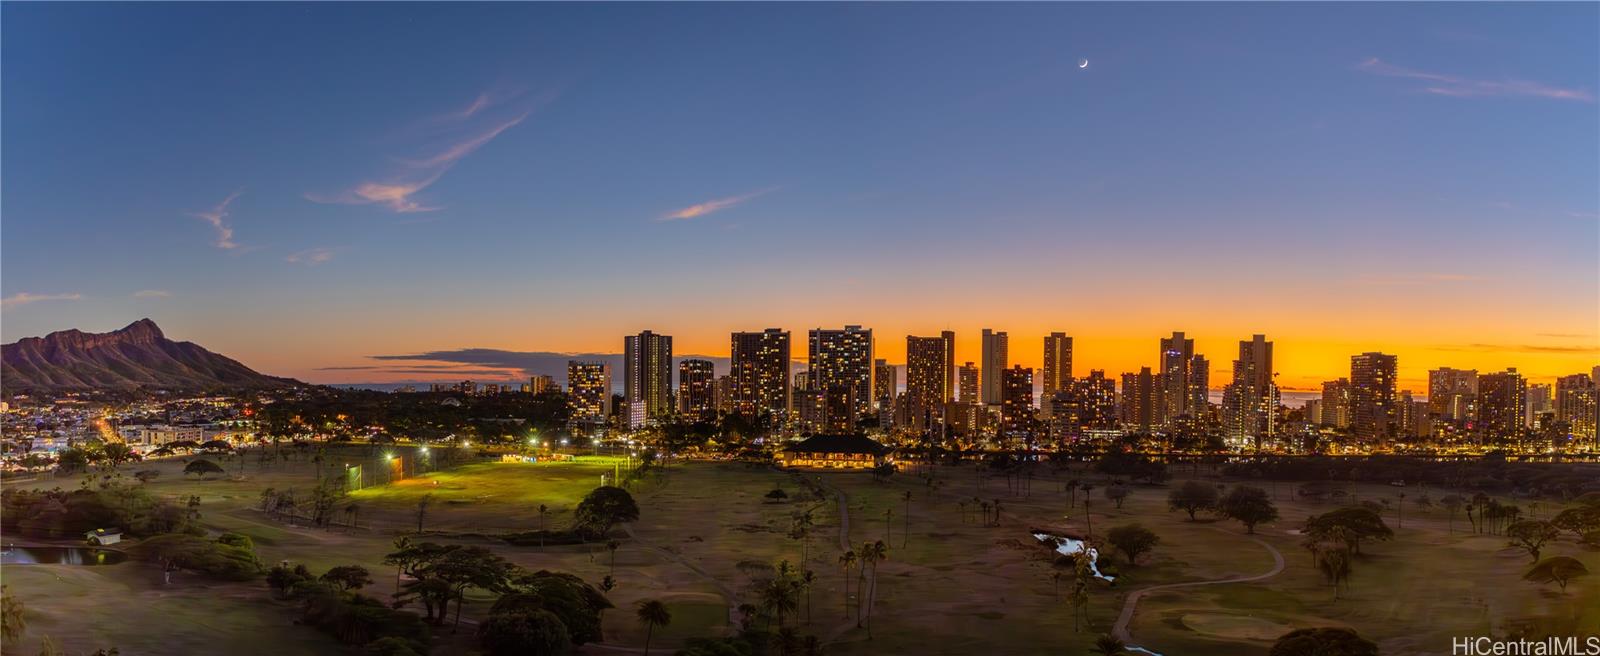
137	356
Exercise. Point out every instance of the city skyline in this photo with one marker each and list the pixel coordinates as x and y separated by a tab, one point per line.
1412	179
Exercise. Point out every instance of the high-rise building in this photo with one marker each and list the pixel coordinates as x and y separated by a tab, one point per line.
726	394
1312	411
1199	387
589	390
1540	401
1502	399
697	389
885	378
1057	363
1335	410
968	376
1411	416
1250	402
996	357
1452	393
1183	379
1016	402
841	366
1142	400
647	377
1083	405
540	383
930	373
1576	406
760	372
1372	396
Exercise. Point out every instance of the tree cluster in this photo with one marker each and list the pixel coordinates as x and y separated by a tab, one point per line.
230	557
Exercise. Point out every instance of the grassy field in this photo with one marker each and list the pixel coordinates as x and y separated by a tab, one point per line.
708	532
490	496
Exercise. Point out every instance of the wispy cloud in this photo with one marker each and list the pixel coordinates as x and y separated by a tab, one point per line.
1415	279
397	191
152	293
453	153
477	105
311	256
1522	348
719	204
24	298
1463	87
218	218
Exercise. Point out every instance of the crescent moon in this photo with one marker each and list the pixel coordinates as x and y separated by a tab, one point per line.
1083	64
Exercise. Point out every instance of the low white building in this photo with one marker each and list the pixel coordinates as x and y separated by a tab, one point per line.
154	435
101	537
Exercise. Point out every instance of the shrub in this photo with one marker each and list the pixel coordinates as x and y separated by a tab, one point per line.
357	620
283	579
535	633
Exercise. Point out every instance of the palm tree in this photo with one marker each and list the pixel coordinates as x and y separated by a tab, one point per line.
888	524
422	510
808	580
544	511
800	529
1079	599
963	505
613	545
847	561
652	613
872	554
1451	503
907	498
777	597
1108	645
1088	518
985	506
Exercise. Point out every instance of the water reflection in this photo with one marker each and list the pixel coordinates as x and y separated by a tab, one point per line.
14	555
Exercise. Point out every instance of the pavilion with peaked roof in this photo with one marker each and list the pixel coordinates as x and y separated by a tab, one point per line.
834	452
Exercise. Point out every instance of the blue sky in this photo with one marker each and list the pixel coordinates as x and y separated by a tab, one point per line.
418	177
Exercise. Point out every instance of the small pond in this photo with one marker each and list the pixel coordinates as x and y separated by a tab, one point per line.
15	555
1070	546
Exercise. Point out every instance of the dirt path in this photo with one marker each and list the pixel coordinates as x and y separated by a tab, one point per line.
1120	629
